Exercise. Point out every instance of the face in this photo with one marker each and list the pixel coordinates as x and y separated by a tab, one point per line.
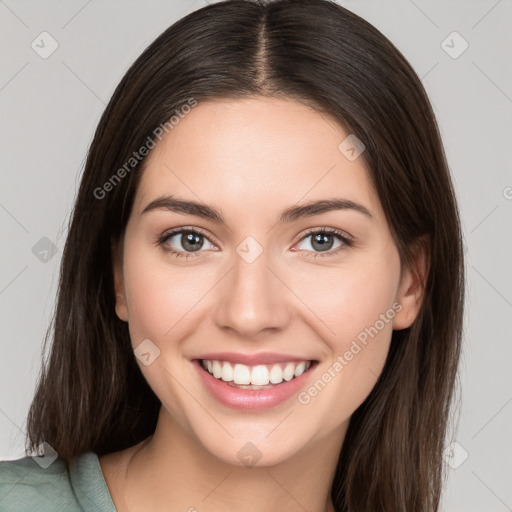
255	287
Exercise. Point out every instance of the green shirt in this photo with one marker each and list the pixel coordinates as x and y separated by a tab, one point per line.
25	486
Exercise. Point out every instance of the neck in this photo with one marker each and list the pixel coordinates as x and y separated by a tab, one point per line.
171	471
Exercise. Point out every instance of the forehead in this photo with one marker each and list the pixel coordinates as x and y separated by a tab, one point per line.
253	152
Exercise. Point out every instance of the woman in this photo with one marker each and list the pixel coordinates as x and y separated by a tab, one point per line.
260	299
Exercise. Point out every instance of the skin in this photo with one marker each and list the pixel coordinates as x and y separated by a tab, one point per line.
250	159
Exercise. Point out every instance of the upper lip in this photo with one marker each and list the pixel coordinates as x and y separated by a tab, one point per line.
252	359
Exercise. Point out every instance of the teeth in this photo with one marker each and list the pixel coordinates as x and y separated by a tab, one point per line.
276	374
241	374
300	369
217	369
227	372
289	371
259	375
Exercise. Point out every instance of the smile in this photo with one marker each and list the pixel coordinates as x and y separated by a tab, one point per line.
254	377
251	385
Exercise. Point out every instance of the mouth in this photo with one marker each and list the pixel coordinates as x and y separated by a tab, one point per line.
253	387
261	376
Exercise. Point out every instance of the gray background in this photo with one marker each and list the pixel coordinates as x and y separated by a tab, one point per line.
50	108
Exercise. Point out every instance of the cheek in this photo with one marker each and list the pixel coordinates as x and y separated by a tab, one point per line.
162	297
353	311
347	299
164	301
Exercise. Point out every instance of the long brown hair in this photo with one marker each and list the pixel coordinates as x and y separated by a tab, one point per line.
91	395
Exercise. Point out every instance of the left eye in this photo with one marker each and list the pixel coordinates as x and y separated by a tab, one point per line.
322	241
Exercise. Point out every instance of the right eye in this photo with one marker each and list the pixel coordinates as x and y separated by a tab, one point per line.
183	242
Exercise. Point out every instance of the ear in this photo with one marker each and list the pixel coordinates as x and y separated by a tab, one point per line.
411	291
117	268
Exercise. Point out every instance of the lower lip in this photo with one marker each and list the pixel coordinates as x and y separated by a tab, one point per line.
251	399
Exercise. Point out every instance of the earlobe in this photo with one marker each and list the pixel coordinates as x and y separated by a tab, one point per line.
117	269
411	292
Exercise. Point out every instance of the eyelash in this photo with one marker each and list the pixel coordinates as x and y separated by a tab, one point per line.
346	242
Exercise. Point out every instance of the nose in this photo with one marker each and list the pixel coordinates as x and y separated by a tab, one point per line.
252	299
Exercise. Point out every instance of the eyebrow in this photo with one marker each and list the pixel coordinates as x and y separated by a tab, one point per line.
292	213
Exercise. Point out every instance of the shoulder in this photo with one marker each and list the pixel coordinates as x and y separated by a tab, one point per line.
38	484
25	484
